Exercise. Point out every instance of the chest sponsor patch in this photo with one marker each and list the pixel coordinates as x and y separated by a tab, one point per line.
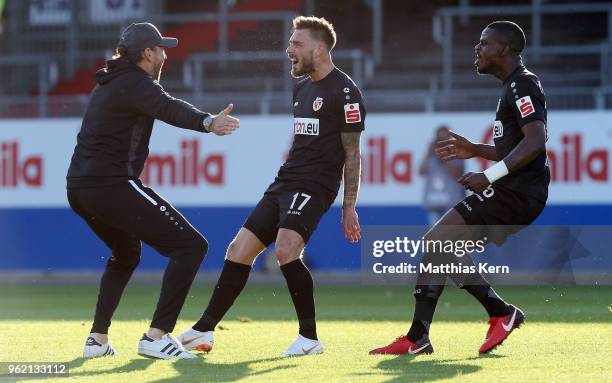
306	126
498	129
525	106
352	115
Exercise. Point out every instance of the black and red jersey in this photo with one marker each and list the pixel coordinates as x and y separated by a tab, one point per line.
322	110
522	101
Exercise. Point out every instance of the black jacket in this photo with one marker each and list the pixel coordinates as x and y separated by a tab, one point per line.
113	143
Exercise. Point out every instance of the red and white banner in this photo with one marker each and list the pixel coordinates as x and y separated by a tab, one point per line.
193	169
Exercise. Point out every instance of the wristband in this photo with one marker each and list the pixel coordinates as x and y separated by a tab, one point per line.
496	171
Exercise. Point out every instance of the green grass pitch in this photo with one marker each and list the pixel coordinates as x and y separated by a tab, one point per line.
567	336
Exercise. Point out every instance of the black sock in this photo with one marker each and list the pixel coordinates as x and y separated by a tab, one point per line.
495	306
479	288
423	315
301	288
231	282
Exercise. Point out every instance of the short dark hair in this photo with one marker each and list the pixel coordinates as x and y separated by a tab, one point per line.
133	56
320	29
511	33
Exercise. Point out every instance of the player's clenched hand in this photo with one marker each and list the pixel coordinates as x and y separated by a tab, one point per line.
223	123
455	148
476	182
350	224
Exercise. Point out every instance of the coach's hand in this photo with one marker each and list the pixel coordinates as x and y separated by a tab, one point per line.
350	224
476	182
456	148
223	124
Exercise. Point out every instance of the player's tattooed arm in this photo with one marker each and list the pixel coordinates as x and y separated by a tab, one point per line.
352	175
352	167
529	147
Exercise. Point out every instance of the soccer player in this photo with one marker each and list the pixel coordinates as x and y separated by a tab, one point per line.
104	187
328	120
511	192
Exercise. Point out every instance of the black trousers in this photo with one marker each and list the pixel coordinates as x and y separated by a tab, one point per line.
122	215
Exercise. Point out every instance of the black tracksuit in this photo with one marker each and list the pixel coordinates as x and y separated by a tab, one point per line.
104	189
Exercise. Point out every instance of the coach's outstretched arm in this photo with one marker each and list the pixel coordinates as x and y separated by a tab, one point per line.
352	179
532	144
151	99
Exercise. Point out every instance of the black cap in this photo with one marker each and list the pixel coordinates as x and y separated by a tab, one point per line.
144	35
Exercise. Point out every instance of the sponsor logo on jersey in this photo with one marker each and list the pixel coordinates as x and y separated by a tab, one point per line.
317	103
306	126
296	103
525	106
352	115
498	129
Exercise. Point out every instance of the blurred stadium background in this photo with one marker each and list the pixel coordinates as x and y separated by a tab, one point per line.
412	59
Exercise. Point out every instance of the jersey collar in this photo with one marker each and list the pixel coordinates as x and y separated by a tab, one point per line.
518	69
326	77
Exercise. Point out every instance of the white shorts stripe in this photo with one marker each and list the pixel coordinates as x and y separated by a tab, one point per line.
142	192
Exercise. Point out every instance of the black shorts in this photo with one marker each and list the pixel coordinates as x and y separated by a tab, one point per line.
298	207
499	212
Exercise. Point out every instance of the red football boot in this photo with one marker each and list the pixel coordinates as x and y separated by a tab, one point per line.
500	328
401	345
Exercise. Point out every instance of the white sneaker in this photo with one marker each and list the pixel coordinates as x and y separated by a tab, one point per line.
304	346
94	349
197	340
168	347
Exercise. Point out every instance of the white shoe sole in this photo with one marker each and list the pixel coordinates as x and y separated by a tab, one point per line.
312	352
148	353
98	353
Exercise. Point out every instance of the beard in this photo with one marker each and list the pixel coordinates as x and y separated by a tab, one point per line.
306	67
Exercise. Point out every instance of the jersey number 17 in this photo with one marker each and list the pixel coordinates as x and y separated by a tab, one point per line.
304	202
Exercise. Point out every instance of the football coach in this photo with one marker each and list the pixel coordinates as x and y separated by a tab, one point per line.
104	188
